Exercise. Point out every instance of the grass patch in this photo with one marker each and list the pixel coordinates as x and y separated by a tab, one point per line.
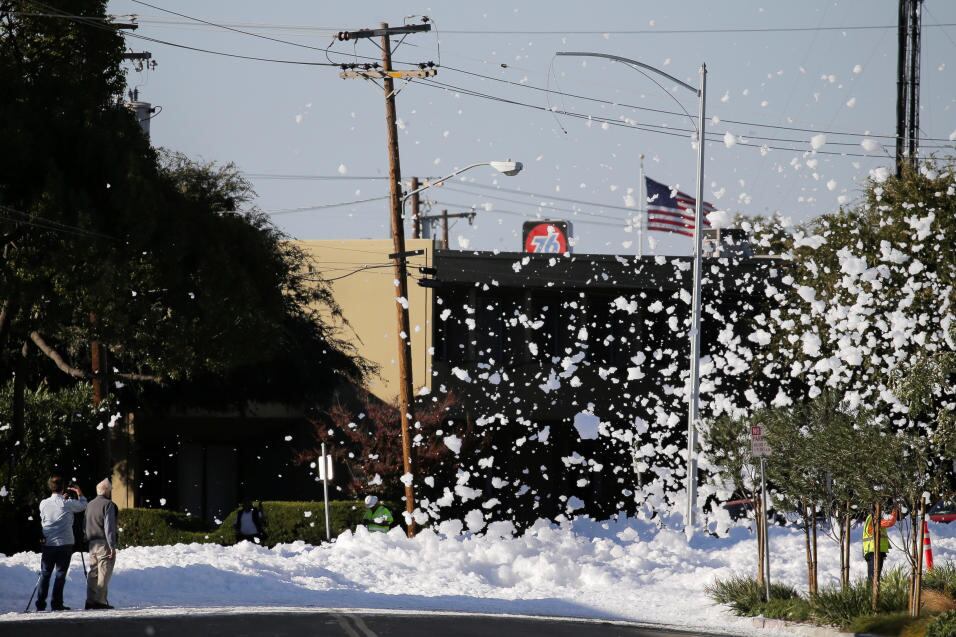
942	626
831	606
838	607
745	596
894	624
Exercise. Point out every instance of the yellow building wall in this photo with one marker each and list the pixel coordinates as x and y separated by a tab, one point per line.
360	275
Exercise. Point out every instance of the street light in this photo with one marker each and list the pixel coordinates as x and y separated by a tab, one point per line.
508	168
693	409
400	257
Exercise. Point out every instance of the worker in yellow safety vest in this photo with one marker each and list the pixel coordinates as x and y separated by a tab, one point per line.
868	543
378	518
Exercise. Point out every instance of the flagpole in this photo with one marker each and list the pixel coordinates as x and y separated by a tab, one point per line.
641	212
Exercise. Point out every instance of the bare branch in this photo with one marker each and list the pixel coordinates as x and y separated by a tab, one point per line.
145	378
53	355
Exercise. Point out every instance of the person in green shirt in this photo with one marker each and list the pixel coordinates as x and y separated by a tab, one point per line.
377	519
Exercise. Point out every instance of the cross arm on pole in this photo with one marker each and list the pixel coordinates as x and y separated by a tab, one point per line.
377	33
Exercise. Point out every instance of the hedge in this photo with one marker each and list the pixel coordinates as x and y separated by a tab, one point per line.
284	522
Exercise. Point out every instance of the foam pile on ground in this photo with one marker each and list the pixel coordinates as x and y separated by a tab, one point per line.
626	570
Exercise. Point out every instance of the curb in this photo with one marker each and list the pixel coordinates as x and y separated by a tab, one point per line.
806	630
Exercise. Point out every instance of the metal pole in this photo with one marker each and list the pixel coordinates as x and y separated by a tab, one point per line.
766	527
692	412
641	214
915	25
901	84
325	492
400	269
444	229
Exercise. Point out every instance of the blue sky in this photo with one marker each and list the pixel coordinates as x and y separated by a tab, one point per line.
284	119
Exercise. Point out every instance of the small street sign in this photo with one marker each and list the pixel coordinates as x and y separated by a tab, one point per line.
758	444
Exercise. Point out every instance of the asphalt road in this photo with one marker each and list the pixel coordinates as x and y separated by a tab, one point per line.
318	624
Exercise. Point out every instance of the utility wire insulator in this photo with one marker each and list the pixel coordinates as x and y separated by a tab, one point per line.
396	75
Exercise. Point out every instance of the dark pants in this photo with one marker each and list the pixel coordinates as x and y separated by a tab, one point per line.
869	566
53	558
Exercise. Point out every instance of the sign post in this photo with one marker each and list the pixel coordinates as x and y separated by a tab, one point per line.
325	474
760	449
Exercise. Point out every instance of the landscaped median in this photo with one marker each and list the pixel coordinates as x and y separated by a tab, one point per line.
849	609
285	522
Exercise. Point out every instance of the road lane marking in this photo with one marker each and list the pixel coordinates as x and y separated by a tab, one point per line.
344	623
362	626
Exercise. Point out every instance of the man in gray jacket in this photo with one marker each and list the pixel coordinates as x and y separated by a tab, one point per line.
56	517
102	537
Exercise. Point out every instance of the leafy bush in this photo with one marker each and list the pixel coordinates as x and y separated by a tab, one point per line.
59	433
942	578
796	609
745	595
284	522
838	607
943	626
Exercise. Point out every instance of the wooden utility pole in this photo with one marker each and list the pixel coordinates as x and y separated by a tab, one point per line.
416	210
400	269
387	74
877	558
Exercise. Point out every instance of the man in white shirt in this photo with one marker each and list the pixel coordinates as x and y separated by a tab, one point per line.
56	517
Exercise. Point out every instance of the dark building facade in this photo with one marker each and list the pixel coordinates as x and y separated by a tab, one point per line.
539	349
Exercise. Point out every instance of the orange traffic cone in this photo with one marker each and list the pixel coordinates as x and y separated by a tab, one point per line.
927	548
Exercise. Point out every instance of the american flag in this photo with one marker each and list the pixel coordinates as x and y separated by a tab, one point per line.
670	210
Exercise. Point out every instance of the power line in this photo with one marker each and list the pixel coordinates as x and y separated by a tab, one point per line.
543	196
320	206
227	27
865	27
613	122
527	215
232	28
352	273
19	216
543	205
674	113
333	30
99	23
313	177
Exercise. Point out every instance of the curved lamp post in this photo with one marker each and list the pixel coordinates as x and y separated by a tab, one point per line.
693	409
508	168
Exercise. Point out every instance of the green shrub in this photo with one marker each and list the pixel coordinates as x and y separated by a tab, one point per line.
158	527
892	624
838	607
745	596
943	626
284	522
795	609
942	578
